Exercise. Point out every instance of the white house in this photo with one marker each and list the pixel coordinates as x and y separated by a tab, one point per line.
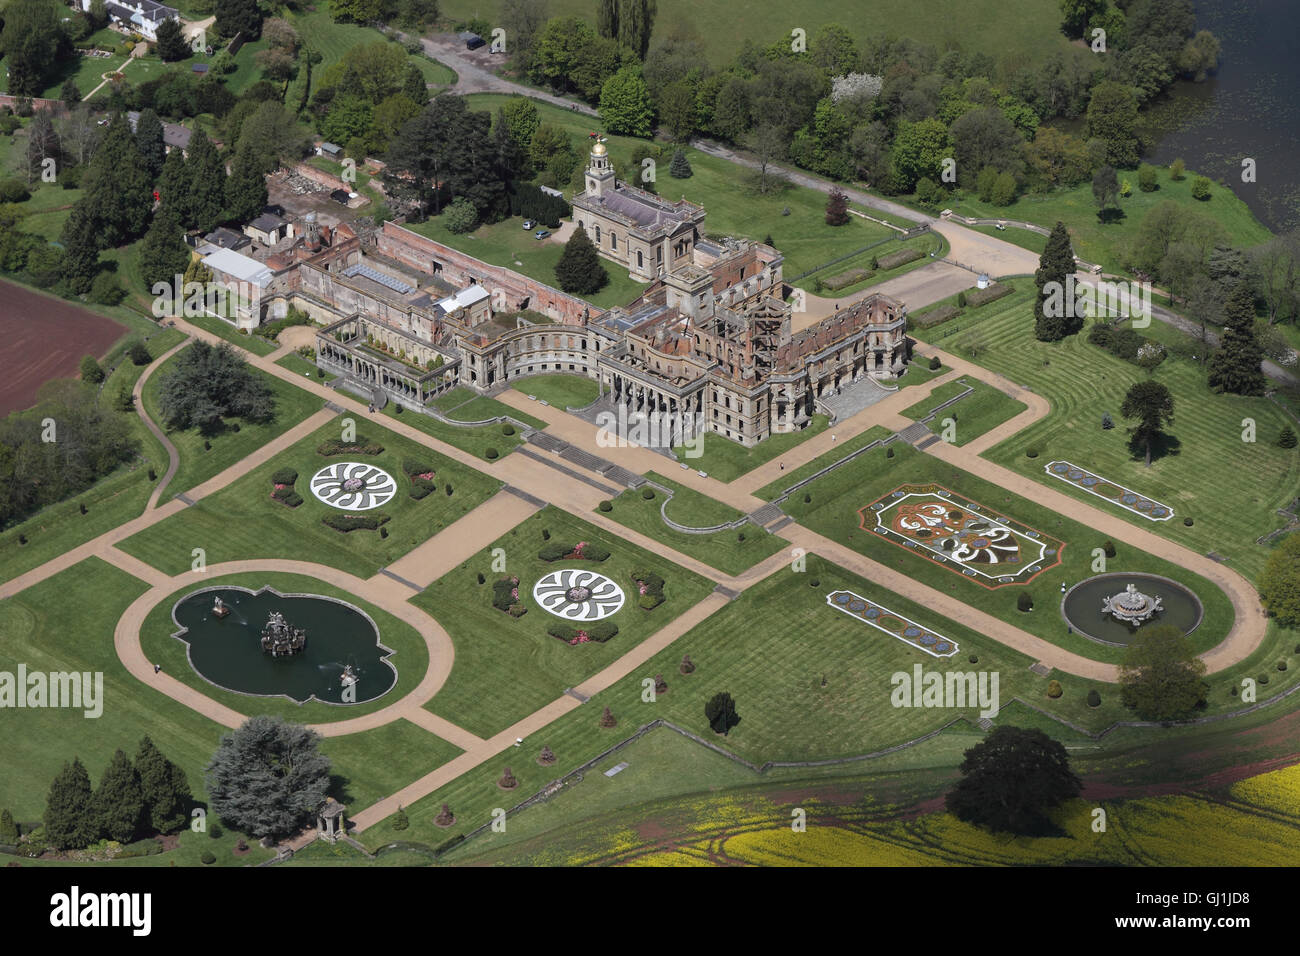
142	16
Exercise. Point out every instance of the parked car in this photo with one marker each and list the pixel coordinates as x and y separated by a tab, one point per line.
541	233
529	224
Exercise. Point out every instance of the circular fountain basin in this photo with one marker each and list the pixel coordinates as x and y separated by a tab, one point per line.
1082	606
227	651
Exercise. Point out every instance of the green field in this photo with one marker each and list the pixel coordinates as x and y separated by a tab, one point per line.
730	551
1229	488
925	244
1098	243
792	477
473	439
562	391
1012	30
480	408
727	460
495	652
242	521
202	457
975	413
837	497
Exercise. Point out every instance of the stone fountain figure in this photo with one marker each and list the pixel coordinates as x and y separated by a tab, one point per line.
219	608
282	639
1132	606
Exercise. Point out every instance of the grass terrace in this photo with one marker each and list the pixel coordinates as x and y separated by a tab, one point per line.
474	439
242	521
202	457
730	551
727	460
975	413
562	391
837	497
506	668
842	450
1230	488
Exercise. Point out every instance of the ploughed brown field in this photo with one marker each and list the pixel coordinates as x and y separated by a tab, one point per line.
41	338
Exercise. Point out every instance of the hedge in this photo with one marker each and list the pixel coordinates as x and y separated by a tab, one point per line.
838	282
600	632
900	258
362	446
287	496
943	313
421	488
347	523
995	290
414	466
555	550
284	476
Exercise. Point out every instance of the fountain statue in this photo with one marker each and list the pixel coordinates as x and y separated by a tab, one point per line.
219	608
349	676
1132	606
280	638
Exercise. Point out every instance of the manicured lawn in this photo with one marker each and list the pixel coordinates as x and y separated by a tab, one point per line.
1018	30
506	667
480	408
1095	242
731	551
199	462
1230	488
562	391
733	208
66	624
926	244
727	460
296	363
1023	238
253	343
370	765
972	415
112	500
473	439
774	490
410	655
507	244
770	649
833	511
243	521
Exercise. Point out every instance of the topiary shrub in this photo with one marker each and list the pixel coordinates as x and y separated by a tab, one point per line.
491	454
607	719
481	579
445	817
1188	522
974	659
1024	602
546	534
1281	665
606	506
935	364
346	522
1094	698
1287	437
889	452
1263	678
284	476
1031	453
1054	689
546	758
648	493
507	781
687	666
1108	549
208	857
807	498
961	300
814	583
400	820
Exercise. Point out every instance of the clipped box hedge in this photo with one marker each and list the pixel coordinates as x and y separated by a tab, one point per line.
900	258
995	290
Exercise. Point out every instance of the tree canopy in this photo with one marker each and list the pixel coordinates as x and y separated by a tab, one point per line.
1160	678
1152	405
1011	780
208	383
1279	583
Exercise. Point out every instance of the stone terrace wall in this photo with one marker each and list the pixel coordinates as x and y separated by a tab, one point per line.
56	106
308	171
460	270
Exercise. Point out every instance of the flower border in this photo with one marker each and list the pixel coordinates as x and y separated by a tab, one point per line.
1132	509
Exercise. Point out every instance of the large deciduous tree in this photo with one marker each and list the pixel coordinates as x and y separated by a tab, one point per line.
1161	676
625	104
720	711
1152	406
172	45
1011	780
1112	117
1279	583
268	777
239	16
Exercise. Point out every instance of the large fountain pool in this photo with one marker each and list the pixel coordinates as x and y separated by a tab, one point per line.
1082	606
227	650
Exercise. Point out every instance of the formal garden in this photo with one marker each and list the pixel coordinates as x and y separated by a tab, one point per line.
253	518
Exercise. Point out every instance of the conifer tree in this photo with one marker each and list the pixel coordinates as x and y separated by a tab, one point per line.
80	241
8	829
117	189
174	187
246	186
163	253
149	140
164	788
68	820
118	804
1051	321
579	270
680	167
1234	366
206	183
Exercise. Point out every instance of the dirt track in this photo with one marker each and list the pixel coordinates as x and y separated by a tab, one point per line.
44	338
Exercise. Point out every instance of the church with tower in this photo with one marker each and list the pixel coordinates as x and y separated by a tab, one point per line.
646	234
